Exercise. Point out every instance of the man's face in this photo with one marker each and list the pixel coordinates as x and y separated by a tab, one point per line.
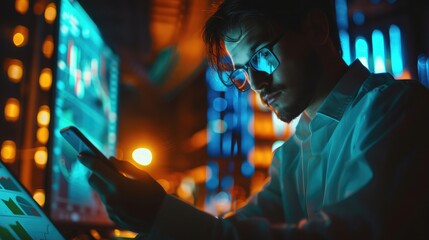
289	90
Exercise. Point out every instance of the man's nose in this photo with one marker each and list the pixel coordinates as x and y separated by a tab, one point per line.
259	80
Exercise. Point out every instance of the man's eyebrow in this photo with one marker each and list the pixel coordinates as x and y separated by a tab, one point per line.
255	45
250	53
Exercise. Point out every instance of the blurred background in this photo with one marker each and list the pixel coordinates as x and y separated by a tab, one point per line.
133	75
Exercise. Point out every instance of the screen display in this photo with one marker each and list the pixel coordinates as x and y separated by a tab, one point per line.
86	96
20	216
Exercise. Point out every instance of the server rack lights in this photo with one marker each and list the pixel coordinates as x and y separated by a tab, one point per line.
26	79
383	35
229	141
423	69
239	150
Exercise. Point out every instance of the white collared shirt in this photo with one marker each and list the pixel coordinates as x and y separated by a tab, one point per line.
351	171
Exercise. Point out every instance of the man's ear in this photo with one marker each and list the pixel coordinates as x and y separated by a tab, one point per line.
316	27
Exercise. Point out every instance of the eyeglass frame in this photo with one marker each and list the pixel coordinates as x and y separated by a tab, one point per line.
269	46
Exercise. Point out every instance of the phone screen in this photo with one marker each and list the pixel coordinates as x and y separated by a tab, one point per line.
82	144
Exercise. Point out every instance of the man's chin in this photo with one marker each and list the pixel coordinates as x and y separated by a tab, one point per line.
286	116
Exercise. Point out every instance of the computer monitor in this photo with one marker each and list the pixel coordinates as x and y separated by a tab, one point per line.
86	96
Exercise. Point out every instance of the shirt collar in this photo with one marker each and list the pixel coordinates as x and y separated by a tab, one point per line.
333	106
344	91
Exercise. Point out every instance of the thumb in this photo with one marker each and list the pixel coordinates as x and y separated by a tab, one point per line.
128	169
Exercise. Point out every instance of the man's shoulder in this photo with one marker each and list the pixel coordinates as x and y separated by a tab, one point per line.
385	86
382	94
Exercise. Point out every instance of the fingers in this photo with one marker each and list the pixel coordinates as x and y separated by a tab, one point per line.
101	187
119	221
126	221
128	169
98	167
107	192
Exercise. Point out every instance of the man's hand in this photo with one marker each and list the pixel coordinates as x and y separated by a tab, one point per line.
131	196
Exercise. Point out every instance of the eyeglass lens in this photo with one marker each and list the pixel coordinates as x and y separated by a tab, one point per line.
262	61
239	78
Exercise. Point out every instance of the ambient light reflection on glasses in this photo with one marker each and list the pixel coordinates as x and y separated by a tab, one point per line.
263	61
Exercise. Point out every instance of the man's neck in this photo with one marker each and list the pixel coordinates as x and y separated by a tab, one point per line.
334	71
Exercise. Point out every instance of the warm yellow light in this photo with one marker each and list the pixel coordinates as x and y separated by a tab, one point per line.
11	110
198	140
44	116
95	234
45	79
264	128
164	184
21	6
48	46
124	234
18	39
142	156
199	174
39	196
8	151
50	13
406	74
20	36
258	181
260	156
186	189
42	135
41	157
184	192
15	70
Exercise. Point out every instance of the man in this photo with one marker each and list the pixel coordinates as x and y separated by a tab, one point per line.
356	168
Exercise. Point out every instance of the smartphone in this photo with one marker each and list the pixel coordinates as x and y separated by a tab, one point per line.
82	144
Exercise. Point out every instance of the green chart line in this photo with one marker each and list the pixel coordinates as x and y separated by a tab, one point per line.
20	231
7	184
5	234
13	207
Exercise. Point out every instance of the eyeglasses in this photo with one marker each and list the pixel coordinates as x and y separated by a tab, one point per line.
263	60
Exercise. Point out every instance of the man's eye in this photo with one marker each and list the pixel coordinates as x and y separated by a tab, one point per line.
263	53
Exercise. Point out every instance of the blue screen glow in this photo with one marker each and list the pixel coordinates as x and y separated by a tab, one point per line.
87	80
396	50
378	54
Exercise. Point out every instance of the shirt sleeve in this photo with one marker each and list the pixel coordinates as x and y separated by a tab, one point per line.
179	220
266	203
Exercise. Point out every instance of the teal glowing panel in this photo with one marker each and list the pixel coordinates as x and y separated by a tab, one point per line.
86	96
361	48
345	45
378	53
396	51
20	216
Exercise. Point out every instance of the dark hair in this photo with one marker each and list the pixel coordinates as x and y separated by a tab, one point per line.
287	13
